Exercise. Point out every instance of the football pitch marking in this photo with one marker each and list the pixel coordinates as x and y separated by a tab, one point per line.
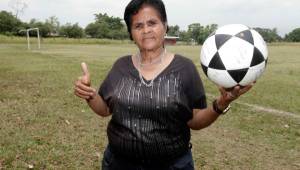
264	109
269	110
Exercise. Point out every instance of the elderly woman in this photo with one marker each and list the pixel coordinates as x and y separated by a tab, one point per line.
154	96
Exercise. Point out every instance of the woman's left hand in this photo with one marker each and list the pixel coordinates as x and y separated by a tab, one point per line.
227	96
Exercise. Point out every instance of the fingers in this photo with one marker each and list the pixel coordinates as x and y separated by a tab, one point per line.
82	96
246	88
82	90
235	92
229	95
82	85
90	92
238	90
222	90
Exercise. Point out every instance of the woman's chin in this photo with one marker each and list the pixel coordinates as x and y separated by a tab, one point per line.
149	47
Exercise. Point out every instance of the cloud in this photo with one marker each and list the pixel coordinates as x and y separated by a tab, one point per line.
256	13
284	15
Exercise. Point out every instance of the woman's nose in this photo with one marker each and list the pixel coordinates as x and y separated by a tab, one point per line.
147	29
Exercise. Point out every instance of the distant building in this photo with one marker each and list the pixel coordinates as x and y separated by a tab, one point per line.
171	40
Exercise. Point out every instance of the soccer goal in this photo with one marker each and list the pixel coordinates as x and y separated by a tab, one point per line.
28	37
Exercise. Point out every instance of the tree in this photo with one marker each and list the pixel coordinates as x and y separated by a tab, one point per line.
53	23
44	28
9	24
18	6
184	36
48	28
174	30
206	31
113	23
198	33
194	31
97	30
119	34
106	27
293	36
269	35
71	31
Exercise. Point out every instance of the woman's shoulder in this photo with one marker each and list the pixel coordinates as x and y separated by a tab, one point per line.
182	60
122	62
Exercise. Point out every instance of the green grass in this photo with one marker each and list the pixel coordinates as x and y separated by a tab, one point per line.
59	40
43	124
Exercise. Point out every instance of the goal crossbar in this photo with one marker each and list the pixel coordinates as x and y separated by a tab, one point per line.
28	36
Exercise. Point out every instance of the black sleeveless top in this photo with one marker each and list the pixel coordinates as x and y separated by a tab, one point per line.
150	123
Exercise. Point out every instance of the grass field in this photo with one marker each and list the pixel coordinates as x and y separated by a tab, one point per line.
44	126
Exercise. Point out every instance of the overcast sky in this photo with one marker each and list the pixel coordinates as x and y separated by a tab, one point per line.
282	14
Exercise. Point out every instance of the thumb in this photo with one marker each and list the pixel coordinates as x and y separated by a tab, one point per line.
85	69
86	74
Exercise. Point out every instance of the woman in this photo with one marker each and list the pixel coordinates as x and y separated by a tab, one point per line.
155	97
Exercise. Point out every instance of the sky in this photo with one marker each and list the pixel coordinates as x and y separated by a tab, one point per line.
281	14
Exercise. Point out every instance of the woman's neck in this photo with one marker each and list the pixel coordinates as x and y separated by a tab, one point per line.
151	56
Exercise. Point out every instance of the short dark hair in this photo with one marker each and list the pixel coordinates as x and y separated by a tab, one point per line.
135	5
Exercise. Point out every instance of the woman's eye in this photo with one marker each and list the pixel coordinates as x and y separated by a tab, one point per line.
151	23
138	26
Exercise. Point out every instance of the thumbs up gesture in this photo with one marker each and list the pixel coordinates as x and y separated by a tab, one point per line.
83	87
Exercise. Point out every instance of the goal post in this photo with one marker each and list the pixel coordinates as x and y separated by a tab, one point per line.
28	36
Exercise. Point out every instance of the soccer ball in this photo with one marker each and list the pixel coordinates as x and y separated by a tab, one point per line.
234	55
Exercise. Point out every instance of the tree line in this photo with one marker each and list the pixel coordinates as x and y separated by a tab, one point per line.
110	27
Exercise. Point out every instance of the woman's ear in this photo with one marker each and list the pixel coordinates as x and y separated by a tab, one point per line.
166	27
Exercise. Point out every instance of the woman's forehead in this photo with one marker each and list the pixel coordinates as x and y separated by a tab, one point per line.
145	13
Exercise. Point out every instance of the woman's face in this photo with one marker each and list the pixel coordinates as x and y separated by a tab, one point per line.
147	29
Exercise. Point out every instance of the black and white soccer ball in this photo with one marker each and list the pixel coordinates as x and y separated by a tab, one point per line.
234	55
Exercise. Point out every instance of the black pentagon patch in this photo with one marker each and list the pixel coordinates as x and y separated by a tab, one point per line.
221	39
246	35
257	57
204	68
216	62
238	75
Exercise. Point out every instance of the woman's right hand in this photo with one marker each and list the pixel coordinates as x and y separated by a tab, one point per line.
83	87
